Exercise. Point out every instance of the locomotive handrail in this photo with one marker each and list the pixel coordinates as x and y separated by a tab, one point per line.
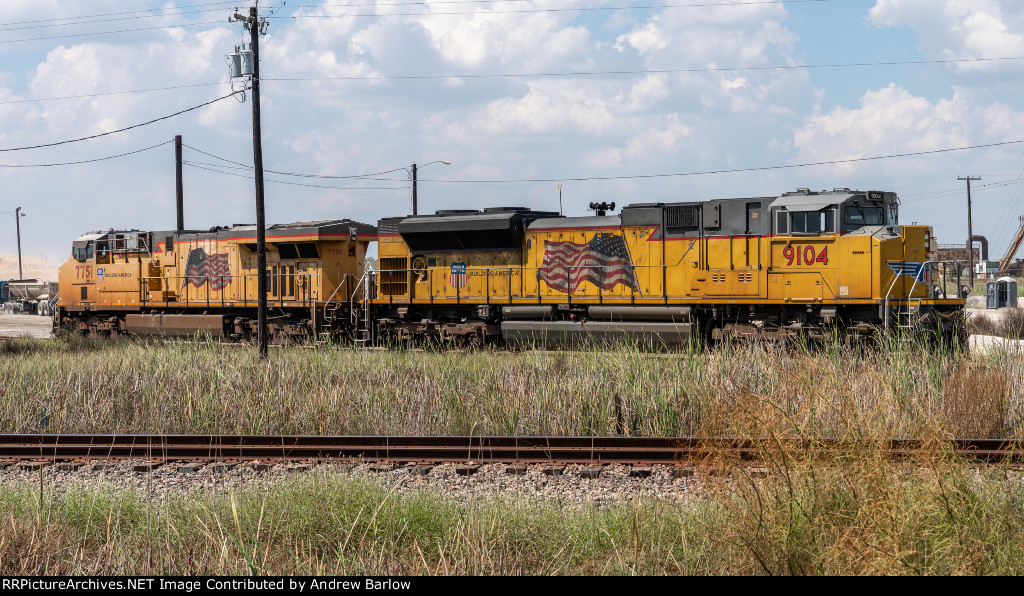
517	268
351	310
221	298
885	302
341	282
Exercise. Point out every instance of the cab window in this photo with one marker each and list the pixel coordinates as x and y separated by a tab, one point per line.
83	253
782	222
855	215
813	222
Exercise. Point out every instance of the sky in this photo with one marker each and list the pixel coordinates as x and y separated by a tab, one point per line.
616	100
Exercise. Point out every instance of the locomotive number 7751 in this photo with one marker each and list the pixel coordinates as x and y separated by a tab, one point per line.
805	255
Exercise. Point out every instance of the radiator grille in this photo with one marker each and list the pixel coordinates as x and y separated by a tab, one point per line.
394	276
682	216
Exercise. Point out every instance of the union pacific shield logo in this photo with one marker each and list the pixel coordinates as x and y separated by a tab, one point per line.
915	270
458	277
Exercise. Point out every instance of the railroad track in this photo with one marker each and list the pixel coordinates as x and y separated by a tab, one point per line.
639	451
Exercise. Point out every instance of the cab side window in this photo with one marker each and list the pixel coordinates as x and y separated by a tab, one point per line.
782	222
813	222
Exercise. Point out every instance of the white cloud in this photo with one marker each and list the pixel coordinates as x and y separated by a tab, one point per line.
550	106
747	35
960	29
488	35
643	147
892	121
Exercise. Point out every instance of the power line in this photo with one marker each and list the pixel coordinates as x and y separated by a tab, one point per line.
958	192
110	14
644	71
527	75
103	134
518	75
88	95
54	22
736	170
71	163
296	174
148	16
183	10
112	32
424	14
210	169
553	10
642	176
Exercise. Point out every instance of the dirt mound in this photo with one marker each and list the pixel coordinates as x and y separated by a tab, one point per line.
32	268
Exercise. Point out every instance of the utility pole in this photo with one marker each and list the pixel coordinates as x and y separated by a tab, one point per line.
414	188
17	226
415	168
970	231
253	25
179	185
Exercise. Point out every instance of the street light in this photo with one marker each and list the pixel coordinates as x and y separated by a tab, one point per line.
17	225
447	163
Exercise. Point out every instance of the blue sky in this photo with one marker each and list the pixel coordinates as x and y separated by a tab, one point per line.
672	115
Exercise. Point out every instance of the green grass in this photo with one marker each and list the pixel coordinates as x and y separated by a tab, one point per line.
814	513
861	514
178	387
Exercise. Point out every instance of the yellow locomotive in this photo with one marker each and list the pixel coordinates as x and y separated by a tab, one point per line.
806	263
183	282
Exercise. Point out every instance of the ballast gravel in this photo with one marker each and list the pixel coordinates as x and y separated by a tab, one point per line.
574	484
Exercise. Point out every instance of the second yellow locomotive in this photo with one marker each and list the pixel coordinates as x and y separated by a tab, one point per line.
801	263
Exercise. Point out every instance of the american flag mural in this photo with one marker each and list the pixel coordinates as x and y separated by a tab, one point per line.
202	268
604	262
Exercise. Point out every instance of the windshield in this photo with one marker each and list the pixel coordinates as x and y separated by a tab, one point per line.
864	216
82	254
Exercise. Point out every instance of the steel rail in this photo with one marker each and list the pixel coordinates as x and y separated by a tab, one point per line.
466	449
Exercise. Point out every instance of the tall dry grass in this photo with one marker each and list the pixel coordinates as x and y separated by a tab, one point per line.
859	513
810	511
181	387
323	524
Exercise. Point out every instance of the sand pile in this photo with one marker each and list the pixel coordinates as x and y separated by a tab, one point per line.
32	267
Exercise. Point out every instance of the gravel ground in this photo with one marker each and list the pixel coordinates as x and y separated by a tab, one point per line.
613	485
996	314
22	325
993	343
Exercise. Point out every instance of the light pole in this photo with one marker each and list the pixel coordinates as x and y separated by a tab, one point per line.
414	206
17	226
